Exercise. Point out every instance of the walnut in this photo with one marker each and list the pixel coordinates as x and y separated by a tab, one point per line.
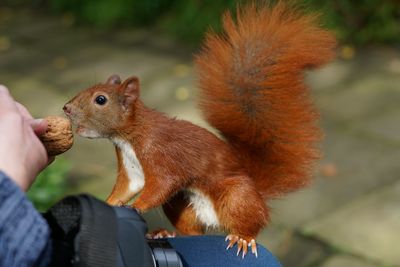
58	137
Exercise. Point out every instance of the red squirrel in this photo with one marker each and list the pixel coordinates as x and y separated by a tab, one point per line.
252	90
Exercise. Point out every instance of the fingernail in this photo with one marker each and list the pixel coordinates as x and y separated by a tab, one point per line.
3	89
37	121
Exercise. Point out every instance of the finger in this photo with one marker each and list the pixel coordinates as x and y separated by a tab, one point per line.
39	126
6	101
23	111
42	159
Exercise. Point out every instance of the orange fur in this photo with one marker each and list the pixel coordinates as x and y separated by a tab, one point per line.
120	193
253	92
182	215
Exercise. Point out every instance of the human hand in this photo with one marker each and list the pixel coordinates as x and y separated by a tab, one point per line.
22	155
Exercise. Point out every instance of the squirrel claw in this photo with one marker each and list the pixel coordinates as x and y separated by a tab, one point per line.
242	245
232	240
253	246
239	246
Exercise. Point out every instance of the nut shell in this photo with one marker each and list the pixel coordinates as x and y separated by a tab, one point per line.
58	137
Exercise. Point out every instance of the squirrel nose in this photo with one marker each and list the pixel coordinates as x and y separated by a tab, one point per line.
67	109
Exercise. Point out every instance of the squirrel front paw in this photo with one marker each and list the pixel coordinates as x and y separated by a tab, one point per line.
115	202
140	206
137	208
160	233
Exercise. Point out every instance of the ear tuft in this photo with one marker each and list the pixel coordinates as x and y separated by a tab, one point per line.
130	91
114	80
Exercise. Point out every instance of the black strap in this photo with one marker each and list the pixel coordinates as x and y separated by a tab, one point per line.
84	232
98	234
64	220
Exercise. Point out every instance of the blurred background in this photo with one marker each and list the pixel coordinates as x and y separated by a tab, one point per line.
350	216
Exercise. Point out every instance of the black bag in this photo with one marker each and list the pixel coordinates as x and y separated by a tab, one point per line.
87	232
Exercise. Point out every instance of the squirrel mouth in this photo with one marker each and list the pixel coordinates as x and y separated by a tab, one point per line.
79	129
85	132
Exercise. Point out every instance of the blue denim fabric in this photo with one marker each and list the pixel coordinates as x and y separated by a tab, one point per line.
25	238
24	234
210	251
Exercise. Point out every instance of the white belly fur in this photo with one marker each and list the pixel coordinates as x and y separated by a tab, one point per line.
203	207
201	204
132	165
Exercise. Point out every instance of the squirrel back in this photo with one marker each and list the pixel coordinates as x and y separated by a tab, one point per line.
252	90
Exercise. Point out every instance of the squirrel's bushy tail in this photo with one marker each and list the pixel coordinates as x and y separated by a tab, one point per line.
252	90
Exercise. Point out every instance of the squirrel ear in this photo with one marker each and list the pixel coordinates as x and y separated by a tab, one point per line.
129	91
114	80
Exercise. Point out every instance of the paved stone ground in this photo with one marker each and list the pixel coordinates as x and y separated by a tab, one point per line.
349	217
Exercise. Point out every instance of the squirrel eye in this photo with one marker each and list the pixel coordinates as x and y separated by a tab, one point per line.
101	99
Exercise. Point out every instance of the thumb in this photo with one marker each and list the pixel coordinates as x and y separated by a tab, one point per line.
39	126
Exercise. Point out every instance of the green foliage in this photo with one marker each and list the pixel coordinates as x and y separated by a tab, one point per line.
188	20
358	22
361	22
107	13
50	186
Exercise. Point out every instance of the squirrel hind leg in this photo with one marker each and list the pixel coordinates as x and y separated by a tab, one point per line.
242	212
182	215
